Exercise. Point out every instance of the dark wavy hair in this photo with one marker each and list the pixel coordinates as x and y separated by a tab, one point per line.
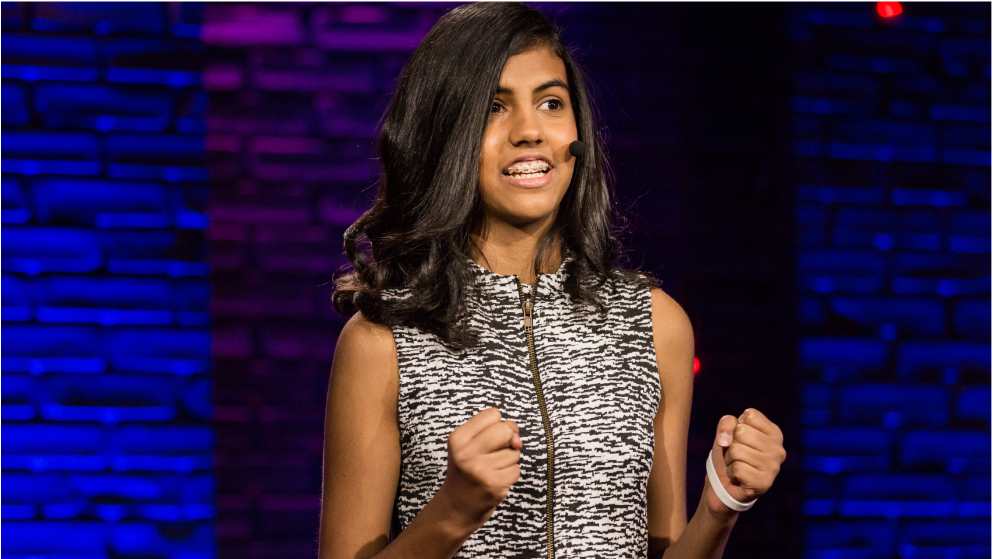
428	202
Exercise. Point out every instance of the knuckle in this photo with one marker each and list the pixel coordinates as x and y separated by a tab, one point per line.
461	456
493	485
484	476
735	451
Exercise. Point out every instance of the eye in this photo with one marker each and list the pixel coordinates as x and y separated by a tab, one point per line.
557	104
495	104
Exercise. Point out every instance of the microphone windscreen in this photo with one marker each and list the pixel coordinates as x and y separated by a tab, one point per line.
576	148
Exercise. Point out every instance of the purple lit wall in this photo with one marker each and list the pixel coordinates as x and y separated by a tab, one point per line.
296	91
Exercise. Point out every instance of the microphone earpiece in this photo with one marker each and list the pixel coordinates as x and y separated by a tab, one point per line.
576	148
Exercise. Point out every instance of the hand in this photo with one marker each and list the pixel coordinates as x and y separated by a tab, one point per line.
482	465
747	453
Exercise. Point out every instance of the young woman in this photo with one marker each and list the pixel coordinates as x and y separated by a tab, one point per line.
505	390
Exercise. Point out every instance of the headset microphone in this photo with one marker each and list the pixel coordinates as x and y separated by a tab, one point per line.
576	148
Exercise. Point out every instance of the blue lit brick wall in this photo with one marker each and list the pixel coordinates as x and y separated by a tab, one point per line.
892	143
107	443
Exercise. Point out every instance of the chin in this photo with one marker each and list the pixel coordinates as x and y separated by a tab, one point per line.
524	216
522	208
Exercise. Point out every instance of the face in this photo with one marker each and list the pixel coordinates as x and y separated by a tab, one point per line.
525	163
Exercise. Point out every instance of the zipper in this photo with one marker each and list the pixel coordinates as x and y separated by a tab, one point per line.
527	319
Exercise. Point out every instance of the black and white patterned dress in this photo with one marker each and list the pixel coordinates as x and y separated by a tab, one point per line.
600	390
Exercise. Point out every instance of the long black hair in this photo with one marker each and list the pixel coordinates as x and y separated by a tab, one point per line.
428	202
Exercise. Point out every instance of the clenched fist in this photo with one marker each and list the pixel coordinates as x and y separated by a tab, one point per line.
747	454
482	465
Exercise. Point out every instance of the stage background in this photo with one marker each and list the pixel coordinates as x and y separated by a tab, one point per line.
810	181
107	438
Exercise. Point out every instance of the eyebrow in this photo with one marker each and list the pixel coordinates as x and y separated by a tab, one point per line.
555	82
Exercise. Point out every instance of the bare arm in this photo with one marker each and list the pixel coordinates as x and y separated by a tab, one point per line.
362	459
671	534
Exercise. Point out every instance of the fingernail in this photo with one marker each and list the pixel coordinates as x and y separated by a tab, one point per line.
515	438
723	439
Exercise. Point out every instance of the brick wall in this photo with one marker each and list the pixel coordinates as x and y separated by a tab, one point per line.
296	91
892	144
106	395
104	262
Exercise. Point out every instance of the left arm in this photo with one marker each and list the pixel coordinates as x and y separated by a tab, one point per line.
674	343
747	451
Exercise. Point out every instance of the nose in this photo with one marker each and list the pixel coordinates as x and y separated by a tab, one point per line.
526	129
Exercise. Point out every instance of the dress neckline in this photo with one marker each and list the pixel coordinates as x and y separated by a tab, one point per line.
555	278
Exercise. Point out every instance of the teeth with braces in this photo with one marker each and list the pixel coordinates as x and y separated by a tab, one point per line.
531	169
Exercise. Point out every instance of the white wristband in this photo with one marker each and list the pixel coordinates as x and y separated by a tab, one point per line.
717	487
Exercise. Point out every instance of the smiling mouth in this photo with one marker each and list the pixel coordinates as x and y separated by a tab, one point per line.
530	170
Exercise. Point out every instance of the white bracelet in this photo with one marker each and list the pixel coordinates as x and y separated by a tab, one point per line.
717	487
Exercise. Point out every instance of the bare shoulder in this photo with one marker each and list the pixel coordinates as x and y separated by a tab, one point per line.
671	323
366	362
674	339
367	341
360	330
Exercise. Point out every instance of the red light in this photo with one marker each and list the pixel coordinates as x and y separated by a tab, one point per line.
695	366
889	9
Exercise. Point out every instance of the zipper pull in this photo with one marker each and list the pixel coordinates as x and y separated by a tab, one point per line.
527	313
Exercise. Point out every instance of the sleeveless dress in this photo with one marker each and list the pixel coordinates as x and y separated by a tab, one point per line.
583	389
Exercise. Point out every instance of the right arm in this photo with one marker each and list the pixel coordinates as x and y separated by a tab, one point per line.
362	461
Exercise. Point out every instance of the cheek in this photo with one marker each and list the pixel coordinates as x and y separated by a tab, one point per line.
569	169
489	154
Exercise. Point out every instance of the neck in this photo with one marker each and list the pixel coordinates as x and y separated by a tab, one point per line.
508	250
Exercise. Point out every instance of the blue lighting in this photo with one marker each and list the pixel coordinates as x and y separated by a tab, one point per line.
895	272
107	441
